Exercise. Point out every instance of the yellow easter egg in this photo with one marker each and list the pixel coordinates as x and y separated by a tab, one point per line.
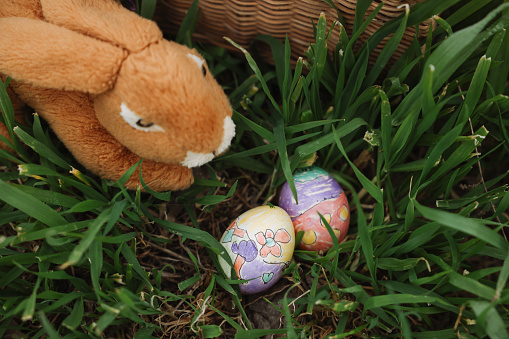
260	243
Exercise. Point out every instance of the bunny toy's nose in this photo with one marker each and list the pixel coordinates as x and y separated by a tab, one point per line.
194	159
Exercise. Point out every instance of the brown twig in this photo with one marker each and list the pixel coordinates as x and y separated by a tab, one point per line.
480	167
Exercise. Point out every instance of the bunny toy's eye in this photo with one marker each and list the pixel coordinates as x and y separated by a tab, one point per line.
143	124
138	122
204	70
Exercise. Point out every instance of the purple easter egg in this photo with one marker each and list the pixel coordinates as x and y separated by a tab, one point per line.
317	193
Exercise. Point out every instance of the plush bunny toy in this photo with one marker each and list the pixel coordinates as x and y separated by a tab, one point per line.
113	90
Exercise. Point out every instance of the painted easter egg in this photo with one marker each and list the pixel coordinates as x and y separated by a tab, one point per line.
317	193
260	243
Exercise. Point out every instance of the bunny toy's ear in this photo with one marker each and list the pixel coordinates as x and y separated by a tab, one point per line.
105	20
42	54
79	47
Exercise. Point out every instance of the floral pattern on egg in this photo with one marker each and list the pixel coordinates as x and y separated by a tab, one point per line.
317	193
260	243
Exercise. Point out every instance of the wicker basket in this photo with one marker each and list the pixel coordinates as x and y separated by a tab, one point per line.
243	20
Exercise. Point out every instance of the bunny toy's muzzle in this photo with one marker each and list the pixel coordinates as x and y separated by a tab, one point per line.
194	159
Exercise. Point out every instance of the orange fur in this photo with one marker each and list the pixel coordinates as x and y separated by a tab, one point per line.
113	90
98	18
94	63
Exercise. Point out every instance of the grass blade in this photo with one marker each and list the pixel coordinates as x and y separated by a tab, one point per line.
188	24
30	205
469	226
75	318
372	189
259	76
489	319
279	133
449	56
476	88
109	217
388	50
41	148
28	312
148	8
464	283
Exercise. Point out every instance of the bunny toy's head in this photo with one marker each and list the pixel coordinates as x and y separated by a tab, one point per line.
166	106
155	97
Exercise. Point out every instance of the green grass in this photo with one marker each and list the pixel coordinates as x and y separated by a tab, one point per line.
420	145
